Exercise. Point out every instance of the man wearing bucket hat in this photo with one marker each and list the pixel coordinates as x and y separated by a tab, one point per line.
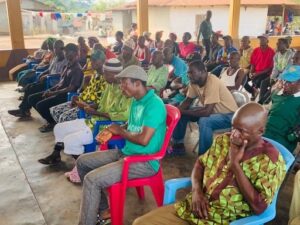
144	135
284	117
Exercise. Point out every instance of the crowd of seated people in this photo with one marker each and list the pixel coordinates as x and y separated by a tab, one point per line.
133	79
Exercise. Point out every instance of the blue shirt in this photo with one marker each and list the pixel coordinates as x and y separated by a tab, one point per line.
180	69
223	52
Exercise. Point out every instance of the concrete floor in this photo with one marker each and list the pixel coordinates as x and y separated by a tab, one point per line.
33	194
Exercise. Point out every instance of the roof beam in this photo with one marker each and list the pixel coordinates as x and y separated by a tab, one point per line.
15	24
142	16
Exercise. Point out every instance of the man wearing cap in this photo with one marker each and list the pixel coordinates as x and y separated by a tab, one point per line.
71	79
205	31
210	61
245	52
261	65
284	117
144	135
112	105
223	55
282	59
127	57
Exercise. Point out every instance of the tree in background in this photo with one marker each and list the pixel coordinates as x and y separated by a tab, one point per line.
83	5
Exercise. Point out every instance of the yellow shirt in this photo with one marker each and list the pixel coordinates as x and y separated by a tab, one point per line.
245	58
213	92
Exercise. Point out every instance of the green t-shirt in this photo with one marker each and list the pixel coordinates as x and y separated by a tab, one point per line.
283	117
148	111
158	78
113	102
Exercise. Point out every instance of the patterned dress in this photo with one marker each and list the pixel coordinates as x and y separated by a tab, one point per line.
264	167
91	94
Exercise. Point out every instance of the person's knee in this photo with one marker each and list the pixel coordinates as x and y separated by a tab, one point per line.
138	221
204	122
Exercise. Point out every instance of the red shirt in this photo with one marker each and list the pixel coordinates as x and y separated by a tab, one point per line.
185	50
262	59
109	54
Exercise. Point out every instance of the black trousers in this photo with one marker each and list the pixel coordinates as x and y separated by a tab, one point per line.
256	82
29	90
206	44
43	105
265	91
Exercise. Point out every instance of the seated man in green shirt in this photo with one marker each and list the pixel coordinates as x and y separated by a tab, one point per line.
284	117
237	177
144	135
158	73
73	135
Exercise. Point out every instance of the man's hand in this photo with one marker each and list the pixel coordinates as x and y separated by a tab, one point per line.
81	104
200	204
115	129
237	148
252	75
48	94
74	100
89	110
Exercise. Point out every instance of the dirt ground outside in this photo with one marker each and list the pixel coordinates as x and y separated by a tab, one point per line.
36	40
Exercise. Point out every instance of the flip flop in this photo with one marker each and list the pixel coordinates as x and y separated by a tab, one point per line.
46	128
50	160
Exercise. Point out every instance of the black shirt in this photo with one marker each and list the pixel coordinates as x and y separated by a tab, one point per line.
72	75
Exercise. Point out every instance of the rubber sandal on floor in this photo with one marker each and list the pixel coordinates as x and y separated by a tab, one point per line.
50	160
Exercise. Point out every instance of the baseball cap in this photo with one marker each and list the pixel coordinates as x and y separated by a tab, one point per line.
291	74
134	72
263	36
227	37
146	33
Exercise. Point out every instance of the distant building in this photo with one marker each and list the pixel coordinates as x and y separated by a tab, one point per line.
180	16
26	5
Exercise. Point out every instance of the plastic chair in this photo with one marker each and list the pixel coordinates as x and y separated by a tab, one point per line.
117	192
92	147
172	185
52	80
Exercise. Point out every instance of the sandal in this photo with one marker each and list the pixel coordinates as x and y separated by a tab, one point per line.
73	176
50	160
46	128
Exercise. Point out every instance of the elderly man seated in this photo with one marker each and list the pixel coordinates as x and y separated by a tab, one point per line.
237	177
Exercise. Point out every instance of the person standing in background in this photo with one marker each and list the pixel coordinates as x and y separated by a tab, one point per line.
206	31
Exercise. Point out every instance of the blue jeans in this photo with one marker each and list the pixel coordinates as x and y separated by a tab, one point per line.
207	126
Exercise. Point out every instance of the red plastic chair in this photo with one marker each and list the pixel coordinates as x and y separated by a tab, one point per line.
117	192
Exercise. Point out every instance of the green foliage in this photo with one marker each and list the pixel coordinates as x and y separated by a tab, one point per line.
70	5
102	5
83	5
